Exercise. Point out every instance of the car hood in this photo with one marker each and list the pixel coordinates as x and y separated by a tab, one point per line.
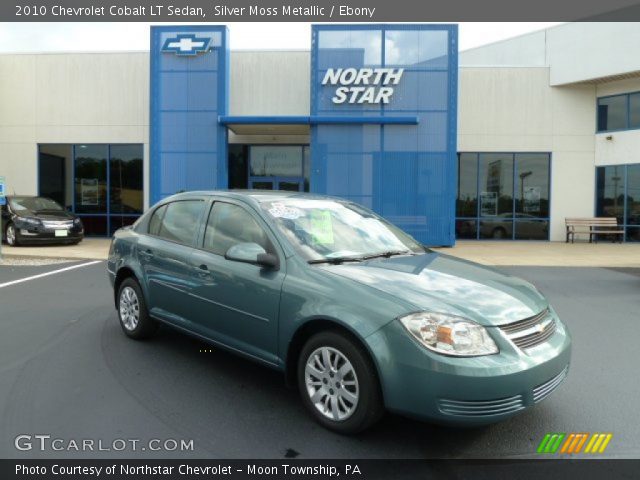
440	283
47	214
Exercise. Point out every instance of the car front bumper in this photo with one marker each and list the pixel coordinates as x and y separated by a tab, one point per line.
45	235
467	390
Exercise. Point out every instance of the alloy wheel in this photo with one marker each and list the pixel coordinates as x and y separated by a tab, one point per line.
129	308
11	235
332	383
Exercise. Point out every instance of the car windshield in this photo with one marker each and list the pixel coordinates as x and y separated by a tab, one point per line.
322	230
34	204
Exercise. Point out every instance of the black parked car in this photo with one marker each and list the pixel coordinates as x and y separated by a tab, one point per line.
38	220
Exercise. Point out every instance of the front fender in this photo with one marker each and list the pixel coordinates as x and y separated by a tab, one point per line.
310	294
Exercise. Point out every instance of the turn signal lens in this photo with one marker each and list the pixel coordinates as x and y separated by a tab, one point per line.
449	335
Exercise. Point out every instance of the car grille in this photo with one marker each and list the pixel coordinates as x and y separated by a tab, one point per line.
57	224
532	331
544	390
481	408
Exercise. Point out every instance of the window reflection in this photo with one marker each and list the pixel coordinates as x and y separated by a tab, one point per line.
487	195
612	113
467	201
496	184
610	192
91	178
126	179
532	184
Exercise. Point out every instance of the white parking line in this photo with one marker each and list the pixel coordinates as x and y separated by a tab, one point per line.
46	274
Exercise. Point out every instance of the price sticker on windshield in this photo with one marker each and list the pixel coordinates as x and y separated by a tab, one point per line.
321	227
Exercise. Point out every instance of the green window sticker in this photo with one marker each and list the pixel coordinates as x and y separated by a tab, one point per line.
321	227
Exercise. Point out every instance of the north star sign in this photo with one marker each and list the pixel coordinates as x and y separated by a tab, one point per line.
363	85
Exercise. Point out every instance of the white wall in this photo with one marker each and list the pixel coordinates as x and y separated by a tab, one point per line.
575	52
68	98
524	50
514	110
584	51
270	83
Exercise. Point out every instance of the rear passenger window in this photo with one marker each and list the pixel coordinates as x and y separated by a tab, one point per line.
229	225
180	222
156	220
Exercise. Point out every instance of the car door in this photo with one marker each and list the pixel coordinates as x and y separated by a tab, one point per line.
237	303
164	256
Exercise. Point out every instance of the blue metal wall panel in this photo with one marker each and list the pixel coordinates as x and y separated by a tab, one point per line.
188	147
405	172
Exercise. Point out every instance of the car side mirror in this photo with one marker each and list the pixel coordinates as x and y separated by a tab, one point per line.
252	253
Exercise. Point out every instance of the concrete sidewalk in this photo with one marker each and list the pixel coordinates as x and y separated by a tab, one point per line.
548	254
543	254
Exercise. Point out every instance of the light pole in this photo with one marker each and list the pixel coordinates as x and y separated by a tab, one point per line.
523	175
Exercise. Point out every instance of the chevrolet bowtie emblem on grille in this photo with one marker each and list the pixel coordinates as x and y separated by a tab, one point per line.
186	44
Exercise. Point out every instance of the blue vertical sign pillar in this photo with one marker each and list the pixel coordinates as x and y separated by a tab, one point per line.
407	173
189	92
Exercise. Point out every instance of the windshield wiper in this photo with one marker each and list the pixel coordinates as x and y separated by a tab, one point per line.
388	254
336	260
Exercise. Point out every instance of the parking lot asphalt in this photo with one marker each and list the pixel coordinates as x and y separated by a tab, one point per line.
68	371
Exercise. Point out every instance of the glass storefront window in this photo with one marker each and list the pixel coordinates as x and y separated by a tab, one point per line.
618	195
612	113
275	161
532	184
634	110
91	178
491	205
496	184
101	183
610	192
633	195
467	201
125	194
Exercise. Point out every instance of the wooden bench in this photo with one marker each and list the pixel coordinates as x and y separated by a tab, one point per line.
593	226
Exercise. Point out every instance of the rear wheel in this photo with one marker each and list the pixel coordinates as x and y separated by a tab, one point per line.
499	233
338	383
11	236
132	311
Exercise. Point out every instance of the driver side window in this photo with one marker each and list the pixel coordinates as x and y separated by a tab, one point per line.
229	225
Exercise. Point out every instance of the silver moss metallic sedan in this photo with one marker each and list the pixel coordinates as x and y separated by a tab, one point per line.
355	312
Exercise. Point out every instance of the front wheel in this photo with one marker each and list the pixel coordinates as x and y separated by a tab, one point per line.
338	383
132	311
10	233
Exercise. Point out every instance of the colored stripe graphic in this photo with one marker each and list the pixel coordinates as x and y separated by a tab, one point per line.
573	442
551	442
598	443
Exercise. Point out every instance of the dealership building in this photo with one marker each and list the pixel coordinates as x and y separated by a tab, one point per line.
501	141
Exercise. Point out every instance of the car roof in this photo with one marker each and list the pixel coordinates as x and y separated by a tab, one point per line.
258	196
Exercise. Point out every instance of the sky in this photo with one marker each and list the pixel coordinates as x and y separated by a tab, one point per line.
65	37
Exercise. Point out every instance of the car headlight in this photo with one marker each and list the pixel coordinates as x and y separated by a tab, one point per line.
77	221
449	335
29	221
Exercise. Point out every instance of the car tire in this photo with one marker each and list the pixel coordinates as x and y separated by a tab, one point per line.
11	236
353	402
132	311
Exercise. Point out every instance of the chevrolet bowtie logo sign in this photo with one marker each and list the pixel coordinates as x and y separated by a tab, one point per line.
186	44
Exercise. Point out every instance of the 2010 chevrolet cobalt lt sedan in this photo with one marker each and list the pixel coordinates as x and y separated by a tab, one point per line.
353	310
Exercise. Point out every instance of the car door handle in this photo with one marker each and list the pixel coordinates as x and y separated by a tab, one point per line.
203	271
148	253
